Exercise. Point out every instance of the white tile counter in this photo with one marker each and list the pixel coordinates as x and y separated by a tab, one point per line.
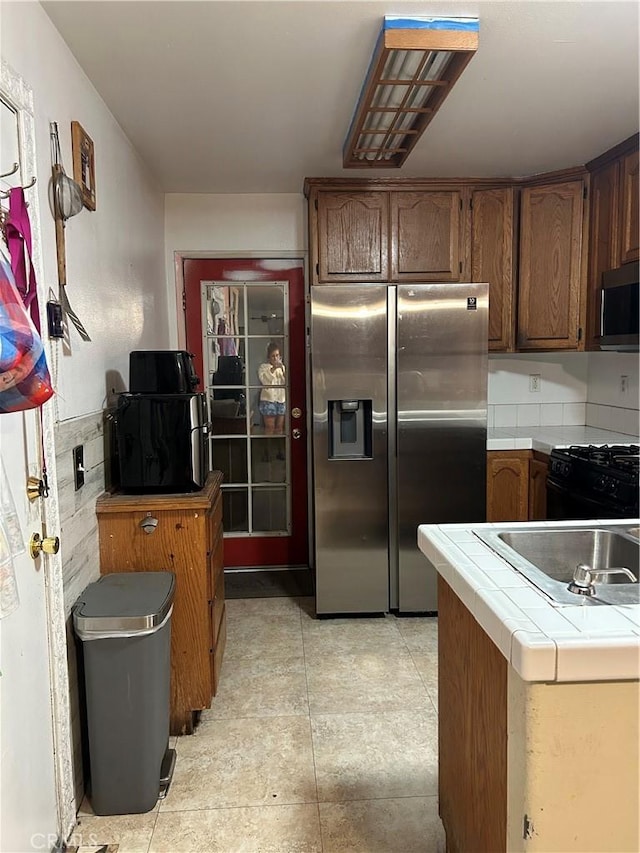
545	439
542	640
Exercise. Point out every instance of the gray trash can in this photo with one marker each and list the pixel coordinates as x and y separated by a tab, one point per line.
124	623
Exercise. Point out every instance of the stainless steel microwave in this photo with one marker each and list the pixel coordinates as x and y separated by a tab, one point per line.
619	309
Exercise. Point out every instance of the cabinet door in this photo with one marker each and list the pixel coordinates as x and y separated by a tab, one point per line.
507	486
492	259
425	236
538	489
177	544
551	274
630	224
604	242
352	236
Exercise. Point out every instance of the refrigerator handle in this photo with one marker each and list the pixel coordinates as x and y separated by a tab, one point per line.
392	443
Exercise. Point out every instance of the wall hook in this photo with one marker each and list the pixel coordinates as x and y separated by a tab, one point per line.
7	193
14	169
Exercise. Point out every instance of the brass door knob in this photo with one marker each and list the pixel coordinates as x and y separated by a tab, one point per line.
50	545
35	488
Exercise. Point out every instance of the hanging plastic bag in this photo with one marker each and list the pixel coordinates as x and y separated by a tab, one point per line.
25	382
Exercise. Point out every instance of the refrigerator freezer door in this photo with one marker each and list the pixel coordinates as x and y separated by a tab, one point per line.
441	387
349	364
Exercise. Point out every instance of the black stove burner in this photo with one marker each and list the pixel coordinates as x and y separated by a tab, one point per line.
604	455
627	463
605	477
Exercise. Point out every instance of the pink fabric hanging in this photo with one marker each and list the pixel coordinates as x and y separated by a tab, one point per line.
18	233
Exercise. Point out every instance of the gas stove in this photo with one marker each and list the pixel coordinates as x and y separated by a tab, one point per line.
593	482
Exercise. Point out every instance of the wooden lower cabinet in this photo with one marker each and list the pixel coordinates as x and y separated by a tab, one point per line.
516	485
538	467
472	733
182	534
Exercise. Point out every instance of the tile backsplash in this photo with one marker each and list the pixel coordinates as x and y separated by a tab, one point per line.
574	389
561	380
79	547
612	394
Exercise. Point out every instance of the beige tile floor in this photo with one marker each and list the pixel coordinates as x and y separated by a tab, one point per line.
322	739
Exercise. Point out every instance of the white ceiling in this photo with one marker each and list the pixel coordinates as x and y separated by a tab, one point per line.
247	96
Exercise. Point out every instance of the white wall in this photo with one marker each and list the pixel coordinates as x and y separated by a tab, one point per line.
258	223
115	263
116	275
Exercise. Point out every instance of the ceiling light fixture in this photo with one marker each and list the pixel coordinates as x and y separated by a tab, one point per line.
413	68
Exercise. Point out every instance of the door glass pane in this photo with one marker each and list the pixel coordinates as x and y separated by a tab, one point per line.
226	361
224	307
265	307
235	510
268	462
230	457
269	509
227	417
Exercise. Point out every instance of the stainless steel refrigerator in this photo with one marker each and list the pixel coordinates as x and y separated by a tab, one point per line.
399	394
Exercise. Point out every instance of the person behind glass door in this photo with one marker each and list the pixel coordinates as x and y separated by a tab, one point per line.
273	395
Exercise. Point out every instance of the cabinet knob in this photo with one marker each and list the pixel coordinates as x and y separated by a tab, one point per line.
149	524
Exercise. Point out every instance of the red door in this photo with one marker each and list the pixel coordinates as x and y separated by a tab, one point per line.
241	316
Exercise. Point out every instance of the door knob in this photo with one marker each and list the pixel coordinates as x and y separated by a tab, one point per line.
296	433
50	545
296	412
35	488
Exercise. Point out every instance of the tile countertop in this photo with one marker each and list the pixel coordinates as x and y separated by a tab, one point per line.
542	640
545	439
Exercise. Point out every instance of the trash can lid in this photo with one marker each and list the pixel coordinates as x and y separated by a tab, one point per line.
124	603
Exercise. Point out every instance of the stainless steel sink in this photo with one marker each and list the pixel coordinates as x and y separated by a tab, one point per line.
548	558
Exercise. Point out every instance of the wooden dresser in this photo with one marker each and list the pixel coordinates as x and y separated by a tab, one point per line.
183	534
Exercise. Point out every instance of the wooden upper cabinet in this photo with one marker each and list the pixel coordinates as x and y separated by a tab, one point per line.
551	266
629	250
613	223
603	242
352	236
426	235
492	260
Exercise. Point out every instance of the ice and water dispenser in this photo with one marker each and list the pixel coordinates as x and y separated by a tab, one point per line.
350	429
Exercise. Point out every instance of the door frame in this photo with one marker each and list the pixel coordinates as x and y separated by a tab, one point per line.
179	256
20	95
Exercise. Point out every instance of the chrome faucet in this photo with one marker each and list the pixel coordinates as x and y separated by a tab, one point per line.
585	577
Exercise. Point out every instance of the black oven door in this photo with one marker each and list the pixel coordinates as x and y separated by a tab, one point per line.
563	503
